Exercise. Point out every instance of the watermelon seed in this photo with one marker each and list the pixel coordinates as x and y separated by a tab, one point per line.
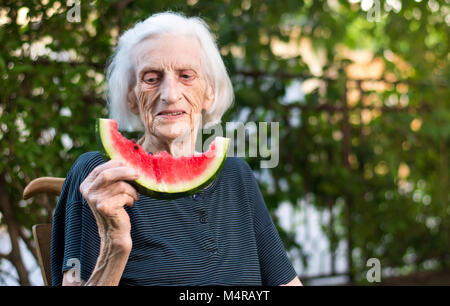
136	147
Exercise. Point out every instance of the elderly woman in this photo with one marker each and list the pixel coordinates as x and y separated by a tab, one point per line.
168	80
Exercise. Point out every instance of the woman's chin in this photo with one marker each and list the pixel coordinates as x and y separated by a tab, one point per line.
172	131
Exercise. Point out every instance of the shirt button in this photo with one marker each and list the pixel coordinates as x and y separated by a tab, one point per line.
203	219
196	197
214	251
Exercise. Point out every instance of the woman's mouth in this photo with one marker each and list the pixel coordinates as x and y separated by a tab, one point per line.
171	114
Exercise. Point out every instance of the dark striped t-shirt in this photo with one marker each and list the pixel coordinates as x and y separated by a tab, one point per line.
223	235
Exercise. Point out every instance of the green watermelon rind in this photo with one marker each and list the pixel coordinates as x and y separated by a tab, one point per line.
157	194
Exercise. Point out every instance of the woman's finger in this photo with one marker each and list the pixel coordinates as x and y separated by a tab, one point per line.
109	164
112	204
87	183
112	175
121	187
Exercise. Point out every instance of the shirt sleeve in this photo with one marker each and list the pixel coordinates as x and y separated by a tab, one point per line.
75	239
276	269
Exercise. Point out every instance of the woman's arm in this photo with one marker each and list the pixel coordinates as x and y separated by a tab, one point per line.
106	192
109	267
295	282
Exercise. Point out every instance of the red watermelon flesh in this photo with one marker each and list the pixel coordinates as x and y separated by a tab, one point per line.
163	175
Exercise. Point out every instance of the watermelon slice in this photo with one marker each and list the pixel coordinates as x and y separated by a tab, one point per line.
162	175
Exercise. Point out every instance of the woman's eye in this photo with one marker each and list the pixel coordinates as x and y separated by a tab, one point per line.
151	77
187	75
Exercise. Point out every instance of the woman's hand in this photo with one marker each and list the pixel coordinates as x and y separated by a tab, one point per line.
107	193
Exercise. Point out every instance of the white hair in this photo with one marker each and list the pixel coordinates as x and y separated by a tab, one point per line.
120	73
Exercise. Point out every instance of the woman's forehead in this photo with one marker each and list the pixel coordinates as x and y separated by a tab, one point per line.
168	52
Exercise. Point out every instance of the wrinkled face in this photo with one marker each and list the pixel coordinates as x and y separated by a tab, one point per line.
171	89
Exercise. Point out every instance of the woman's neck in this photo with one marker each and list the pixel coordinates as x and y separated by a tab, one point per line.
180	146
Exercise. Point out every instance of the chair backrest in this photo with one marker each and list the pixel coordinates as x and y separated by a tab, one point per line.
42	233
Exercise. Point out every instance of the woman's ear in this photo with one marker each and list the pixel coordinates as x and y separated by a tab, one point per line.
132	101
209	98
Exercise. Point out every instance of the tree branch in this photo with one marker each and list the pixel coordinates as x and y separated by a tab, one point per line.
329	107
28	243
5	256
13	231
289	75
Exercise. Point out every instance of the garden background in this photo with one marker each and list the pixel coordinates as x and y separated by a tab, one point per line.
359	88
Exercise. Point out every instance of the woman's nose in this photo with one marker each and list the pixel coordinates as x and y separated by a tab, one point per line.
170	92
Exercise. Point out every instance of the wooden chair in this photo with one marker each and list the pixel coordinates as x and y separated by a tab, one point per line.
42	233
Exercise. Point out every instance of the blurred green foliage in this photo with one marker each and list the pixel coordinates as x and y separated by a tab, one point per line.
380	161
